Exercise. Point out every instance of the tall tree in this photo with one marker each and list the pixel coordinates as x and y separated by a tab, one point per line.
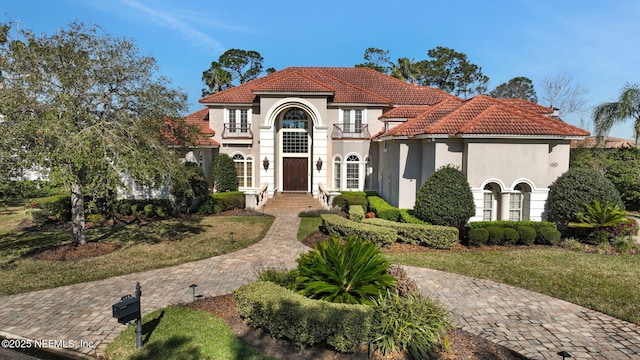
452	72
407	70
236	65
216	79
627	107
517	88
88	107
563	93
376	59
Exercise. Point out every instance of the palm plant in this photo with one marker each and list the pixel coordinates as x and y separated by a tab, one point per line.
628	106
599	215
354	272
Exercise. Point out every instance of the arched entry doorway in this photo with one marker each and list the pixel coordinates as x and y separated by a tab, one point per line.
294	140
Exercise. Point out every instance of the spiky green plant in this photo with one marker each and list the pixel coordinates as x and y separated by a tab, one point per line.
354	272
599	215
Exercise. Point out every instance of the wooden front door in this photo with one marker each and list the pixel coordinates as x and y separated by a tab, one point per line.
295	174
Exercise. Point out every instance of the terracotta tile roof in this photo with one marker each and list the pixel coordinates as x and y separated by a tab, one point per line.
609	142
201	120
349	85
483	115
528	105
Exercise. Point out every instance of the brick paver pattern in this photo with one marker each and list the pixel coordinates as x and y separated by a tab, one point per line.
534	325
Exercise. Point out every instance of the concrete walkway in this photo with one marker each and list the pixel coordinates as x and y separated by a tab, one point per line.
79	318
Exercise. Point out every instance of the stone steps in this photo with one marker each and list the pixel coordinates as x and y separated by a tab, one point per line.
292	202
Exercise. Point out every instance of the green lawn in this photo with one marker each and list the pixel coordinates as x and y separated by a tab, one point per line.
308	225
177	332
606	283
143	246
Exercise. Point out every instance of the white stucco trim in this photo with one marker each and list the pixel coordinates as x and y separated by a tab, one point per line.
283	104
523	180
495	181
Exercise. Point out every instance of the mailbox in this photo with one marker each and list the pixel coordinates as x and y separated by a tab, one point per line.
127	309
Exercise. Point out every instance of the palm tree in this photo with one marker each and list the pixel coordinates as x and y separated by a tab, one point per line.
406	70
608	114
217	79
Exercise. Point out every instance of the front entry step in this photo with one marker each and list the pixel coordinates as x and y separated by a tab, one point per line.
293	202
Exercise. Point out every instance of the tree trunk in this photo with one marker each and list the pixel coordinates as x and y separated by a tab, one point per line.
77	215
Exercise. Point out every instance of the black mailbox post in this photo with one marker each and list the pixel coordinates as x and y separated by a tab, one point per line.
128	309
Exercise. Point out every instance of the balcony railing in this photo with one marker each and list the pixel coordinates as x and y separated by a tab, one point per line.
237	131
350	131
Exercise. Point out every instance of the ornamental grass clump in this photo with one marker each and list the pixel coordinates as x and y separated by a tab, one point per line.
353	272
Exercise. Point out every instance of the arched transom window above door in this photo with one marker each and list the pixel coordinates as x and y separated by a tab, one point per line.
295	118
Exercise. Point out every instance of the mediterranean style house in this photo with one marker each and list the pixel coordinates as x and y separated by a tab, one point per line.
311	129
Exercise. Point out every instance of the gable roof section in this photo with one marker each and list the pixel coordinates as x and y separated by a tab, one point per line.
349	86
484	116
201	120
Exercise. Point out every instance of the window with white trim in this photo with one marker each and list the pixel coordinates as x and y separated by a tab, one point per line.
353	172
337	170
519	202
244	169
238	120
490	203
352	120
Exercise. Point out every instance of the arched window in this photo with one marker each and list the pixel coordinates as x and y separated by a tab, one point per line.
490	209
337	172
244	169
519	201
353	172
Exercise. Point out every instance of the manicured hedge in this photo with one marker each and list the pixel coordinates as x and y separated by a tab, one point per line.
547	236
148	208
336	225
406	216
439	237
356	213
303	321
58	206
220	202
383	209
348	198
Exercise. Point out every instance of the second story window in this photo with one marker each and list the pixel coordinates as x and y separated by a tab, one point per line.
238	120
352	120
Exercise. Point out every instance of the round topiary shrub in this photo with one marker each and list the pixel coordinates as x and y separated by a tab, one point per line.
548	236
445	198
478	237
223	174
577	187
496	234
510	236
527	235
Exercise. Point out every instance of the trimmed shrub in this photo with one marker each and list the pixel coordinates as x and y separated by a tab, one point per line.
496	234
352	272
415	324
527	235
58	206
510	236
220	202
349	198
479	236
283	277
383	209
336	225
439	237
548	236
224	174
148	208
406	216
445	198
38	216
191	188
577	187
303	321
356	213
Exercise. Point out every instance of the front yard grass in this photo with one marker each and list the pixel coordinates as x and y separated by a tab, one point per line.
606	283
142	246
177	332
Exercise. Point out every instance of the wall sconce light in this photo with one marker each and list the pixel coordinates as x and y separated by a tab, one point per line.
319	164
265	163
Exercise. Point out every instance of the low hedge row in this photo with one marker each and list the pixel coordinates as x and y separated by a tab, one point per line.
406	216
439	237
383	209
546	232
356	213
148	208
220	202
507	235
303	321
58	206
336	225
349	198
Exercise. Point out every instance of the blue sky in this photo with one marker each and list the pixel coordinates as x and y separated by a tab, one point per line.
596	42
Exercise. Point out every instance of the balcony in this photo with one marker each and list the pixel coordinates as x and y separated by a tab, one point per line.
350	131
237	131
